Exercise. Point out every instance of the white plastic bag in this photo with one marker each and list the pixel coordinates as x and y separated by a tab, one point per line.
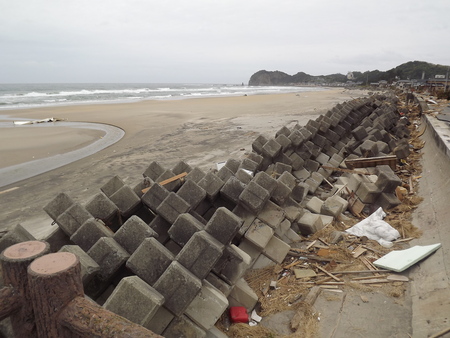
373	227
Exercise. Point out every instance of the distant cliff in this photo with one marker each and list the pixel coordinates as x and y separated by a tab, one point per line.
408	70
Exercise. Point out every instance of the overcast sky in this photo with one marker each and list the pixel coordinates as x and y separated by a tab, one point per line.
200	41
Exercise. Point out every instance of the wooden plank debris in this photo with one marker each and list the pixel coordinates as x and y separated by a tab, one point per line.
300	315
346	170
174	178
329	274
366	162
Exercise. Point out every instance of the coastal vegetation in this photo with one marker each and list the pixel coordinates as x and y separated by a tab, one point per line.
406	71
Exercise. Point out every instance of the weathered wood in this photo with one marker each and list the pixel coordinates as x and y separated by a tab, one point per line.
82	318
54	280
15	261
365	162
309	301
174	178
9	302
328	273
351	171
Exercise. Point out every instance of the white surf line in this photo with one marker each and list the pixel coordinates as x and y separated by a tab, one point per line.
15	173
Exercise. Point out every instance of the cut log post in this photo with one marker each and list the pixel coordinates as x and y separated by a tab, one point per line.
15	260
83	318
9	302
54	280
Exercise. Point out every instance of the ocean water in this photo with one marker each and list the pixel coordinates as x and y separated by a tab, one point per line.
15	96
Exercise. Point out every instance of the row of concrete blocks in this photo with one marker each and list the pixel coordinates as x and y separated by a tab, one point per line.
337	132
255	237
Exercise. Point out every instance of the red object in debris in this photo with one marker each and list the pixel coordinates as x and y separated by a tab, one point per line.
238	314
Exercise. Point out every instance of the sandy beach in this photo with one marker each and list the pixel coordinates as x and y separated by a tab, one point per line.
200	131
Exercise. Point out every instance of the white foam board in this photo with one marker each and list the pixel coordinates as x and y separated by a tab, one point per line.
400	260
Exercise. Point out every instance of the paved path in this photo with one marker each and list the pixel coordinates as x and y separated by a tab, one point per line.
29	169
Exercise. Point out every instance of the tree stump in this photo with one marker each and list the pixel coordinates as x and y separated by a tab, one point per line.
15	260
55	280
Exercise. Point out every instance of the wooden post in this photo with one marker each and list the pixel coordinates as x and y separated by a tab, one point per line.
54	280
83	318
15	260
9	302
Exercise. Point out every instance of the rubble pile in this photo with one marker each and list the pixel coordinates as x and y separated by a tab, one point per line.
170	252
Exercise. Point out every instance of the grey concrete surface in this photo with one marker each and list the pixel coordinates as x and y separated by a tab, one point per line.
430	287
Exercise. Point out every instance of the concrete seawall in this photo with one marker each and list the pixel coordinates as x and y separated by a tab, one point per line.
430	286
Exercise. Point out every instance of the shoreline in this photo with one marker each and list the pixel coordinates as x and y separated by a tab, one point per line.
200	131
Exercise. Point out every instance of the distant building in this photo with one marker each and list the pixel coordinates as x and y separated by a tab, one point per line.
350	76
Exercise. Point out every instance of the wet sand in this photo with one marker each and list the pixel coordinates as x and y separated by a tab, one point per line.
200	131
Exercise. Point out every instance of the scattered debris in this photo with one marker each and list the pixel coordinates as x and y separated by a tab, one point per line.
373	227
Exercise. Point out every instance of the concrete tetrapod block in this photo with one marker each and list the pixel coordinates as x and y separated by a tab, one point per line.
154	170
243	295
271	148
281	193
126	200
314	205
212	185
244	176
150	260
58	205
161	319
309	223
200	254
110	187
276	249
207	306
254	197
368	192
172	207
250	249
387	180
184	227
179	287
89	267
232	189
72	219
14	234
283	228
219	284
100	206
192	193
272	215
223	225
132	233
247	217
183	327
232	265
195	175
259	234
224	174
154	196
161	227
334	206
181	167
266	181
89	233
134	300
109	255
249	165
258	144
